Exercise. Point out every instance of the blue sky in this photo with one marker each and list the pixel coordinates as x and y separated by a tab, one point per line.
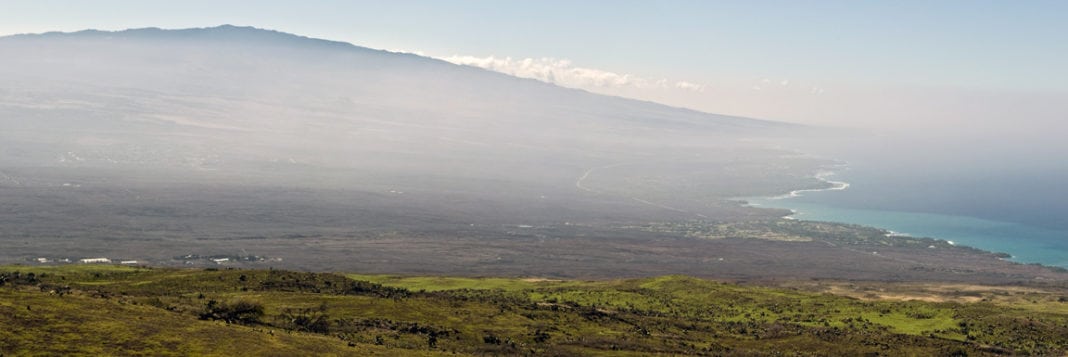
734	49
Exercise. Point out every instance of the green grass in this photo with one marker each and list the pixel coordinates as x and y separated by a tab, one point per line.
83	325
80	309
915	320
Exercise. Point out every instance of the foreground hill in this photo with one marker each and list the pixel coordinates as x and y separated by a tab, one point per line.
119	310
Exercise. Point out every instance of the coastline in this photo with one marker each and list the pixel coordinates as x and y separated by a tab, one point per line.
1041	247
822	176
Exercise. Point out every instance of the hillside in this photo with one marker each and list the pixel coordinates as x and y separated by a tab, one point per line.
204	138
109	309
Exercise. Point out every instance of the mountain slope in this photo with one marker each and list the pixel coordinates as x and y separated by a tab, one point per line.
168	140
290	93
271	107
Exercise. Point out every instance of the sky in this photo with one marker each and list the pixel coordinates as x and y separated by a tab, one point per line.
983	66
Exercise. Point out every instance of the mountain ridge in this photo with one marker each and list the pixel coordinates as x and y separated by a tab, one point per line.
262	36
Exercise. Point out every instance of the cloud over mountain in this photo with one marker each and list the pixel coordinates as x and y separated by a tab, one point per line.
565	73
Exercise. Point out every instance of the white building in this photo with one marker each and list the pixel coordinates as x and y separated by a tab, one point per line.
94	260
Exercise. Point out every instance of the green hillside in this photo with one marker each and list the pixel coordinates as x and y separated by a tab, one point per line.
93	309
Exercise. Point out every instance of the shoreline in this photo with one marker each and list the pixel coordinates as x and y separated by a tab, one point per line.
953	239
822	176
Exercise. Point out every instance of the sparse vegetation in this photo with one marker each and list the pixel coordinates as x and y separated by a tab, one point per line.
167	311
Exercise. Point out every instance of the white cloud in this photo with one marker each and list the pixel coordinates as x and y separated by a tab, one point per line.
690	86
564	73
396	50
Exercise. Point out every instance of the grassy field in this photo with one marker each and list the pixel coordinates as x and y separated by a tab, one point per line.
99	309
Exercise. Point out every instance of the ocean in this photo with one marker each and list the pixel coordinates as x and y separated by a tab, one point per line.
1021	210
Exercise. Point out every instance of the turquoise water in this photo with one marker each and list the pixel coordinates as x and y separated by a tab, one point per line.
1026	243
997	195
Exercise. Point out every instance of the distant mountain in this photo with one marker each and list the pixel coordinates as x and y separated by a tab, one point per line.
255	54
232	98
170	132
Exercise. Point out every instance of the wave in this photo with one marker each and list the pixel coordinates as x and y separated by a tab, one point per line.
822	176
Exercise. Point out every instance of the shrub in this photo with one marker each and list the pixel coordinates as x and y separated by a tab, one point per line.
239	312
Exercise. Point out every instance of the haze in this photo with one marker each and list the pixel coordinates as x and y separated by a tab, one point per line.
396	120
985	78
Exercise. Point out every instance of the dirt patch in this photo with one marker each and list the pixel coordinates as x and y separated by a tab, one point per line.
929	292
